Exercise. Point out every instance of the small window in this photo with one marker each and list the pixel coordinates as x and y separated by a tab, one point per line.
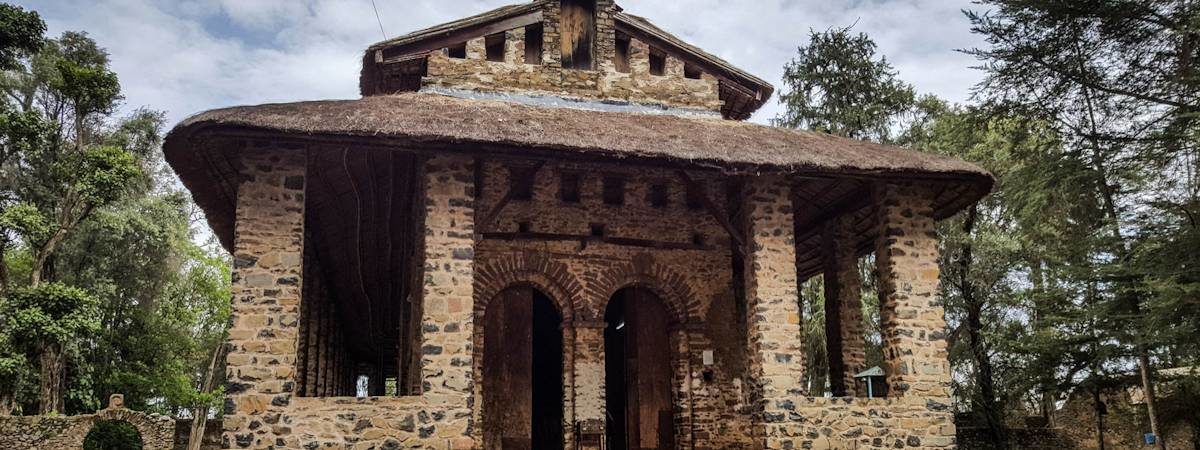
614	191
659	195
698	239
621	59
458	51
520	182
495	47
658	62
524	227
695	196
692	72
533	44
597	229
568	187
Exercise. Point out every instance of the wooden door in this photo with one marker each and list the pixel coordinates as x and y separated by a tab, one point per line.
649	416
508	371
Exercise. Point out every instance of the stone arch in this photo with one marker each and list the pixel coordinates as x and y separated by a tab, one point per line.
157	431
529	269
670	287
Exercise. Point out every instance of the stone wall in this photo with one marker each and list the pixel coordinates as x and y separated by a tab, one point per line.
691	272
547	77
261	410
69	432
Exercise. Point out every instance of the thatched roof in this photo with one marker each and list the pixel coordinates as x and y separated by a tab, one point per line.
436	123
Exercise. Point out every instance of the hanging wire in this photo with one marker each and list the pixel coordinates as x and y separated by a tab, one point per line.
378	20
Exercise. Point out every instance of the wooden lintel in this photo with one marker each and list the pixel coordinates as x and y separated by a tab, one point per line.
711	207
583	239
508	196
455	37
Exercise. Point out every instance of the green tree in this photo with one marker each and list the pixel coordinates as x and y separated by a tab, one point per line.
838	86
20	35
1118	80
51	320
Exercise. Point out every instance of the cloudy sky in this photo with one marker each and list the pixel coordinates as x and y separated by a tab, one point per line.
186	56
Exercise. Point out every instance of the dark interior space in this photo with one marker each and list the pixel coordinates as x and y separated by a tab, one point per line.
547	375
637	372
522	372
361	263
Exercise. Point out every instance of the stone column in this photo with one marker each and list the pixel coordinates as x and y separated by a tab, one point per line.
913	321
589	376
774	335
447	295
843	308
268	253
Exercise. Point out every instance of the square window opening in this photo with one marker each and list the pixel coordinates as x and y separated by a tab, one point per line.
457	51
692	72
614	191
568	187
658	62
495	47
659	195
533	44
597	229
520	182
695	196
621	58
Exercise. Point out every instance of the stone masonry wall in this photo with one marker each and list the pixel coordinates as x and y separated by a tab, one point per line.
693	280
843	306
261	409
547	77
69	432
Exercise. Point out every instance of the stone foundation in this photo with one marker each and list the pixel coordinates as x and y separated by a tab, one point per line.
69	432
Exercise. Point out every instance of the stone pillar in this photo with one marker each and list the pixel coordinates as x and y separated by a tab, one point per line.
589	377
913	321
268	253
447	295
843	308
773	310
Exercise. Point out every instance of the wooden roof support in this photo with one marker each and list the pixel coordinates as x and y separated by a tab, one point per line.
508	196
711	207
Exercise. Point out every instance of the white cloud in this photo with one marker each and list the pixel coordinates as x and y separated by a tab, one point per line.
192	55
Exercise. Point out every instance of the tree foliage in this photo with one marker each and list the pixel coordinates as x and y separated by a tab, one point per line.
837	85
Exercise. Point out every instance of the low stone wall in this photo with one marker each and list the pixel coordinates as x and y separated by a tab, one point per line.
68	432
859	423
210	441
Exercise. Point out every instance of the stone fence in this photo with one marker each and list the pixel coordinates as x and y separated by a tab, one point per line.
68	432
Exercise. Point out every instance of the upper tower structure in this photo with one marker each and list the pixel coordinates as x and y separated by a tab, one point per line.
577	49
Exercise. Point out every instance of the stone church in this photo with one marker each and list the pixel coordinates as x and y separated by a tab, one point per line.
548	227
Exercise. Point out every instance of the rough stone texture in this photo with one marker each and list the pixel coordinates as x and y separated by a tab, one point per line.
773	311
843	306
911	316
69	432
579	253
210	441
973	438
548	77
581	274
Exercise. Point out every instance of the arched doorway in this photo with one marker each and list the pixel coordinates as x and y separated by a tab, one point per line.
522	372
637	362
113	435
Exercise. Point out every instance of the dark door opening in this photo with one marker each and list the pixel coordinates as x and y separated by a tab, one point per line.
522	372
637	375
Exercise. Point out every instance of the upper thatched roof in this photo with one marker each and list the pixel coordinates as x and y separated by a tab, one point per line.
430	122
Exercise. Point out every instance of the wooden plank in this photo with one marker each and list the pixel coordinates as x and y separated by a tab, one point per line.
508	370
648	348
577	33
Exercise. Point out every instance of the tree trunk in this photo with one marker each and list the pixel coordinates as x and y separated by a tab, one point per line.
1148	389
984	379
53	369
1100	411
200	413
6	403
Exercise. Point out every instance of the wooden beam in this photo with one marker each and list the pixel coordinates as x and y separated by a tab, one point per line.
740	243
508	196
455	37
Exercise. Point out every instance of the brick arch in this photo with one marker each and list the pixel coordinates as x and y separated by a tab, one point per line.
644	272
527	269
